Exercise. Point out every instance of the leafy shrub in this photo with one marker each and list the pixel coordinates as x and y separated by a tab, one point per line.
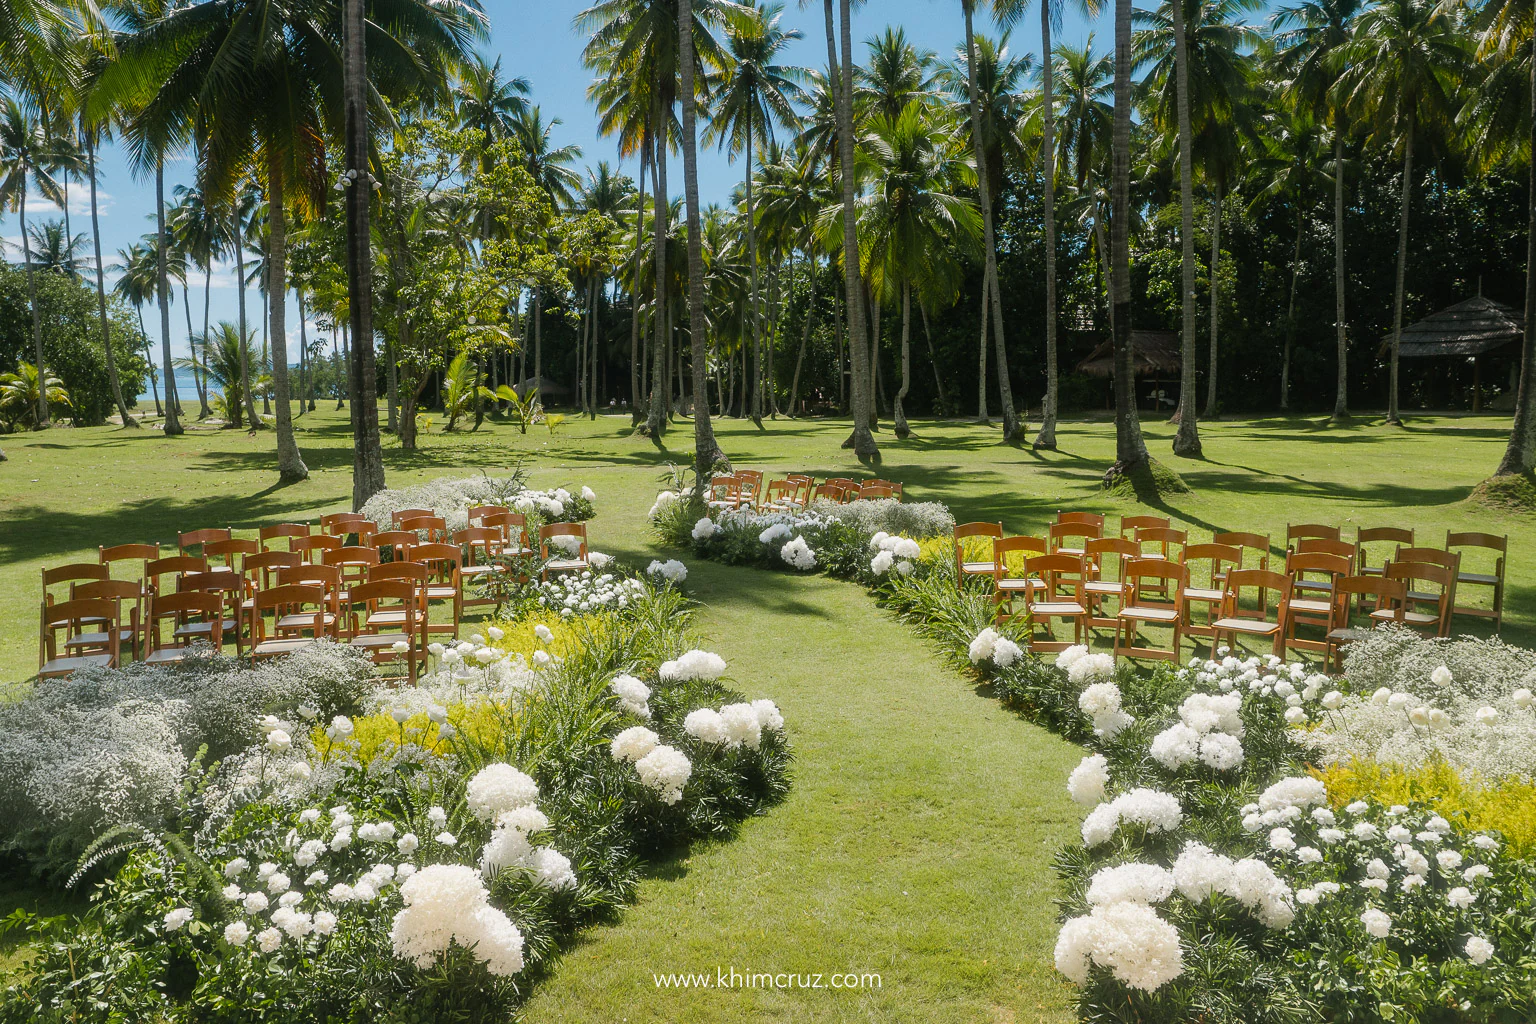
453	498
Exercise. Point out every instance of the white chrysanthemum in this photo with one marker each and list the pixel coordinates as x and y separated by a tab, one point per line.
741	726
499	787
695	664
1298	791
706	725
1130	883
768	715
447	903
254	902
1099	699
1154	811
633	695
507	848
881	563
1478	949
1176	746
671	570
1139	948
1377	923
236	867
666	770
1205	712
1090	667
551	868
982	645
1222	751
1461	897
776	532
237	933
1005	652
1067	658
633	743
1088	780
798	554
704	529
268	939
527	819
1198	872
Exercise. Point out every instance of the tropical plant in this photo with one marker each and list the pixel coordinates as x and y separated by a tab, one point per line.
21	395
23	147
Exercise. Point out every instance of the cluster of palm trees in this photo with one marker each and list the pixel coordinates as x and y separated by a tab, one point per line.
889	183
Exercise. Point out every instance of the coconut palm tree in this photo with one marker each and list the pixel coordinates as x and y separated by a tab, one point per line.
489	102
224	361
194	230
23	145
1406	60
29	54
912	217
1130	448
136	284
896	74
55	249
549	164
24	392
92	133
755	92
1312	40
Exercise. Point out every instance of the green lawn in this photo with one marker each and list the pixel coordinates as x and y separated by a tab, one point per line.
916	842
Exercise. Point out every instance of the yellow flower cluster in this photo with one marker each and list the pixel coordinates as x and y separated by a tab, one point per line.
1505	805
375	735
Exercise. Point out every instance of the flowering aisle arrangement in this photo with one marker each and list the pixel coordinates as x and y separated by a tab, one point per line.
356	852
453	498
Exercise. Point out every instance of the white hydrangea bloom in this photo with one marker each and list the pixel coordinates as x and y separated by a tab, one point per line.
672	571
1130	883
446	903
768	715
633	743
499	787
798	554
1139	948
705	725
1088	780
666	770
704	529
634	696
695	664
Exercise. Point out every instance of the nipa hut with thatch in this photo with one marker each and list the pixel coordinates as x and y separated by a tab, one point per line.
1480	332
1157	368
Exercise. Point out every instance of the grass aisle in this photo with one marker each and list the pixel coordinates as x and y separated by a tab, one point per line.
915	844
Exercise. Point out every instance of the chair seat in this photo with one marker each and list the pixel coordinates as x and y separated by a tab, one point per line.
442	593
1149	614
387	617
565	564
1325	586
97	639
1070	551
1477	577
376	641
1201	594
167	656
1417	595
1016	583
1411	618
64	666
479	570
979	567
202	628
1056	608
1348	635
1257	627
268	648
295	621
1307	607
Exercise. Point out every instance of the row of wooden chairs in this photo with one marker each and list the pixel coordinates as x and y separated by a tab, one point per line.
324	562
745	489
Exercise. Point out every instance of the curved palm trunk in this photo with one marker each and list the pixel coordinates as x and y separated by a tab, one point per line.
656	418
1186	442
634	297
290	464
207	298
938	378
1130	449
1012	428
245	361
1046	437
304	392
37	315
149	361
162	288
203	411
1520	454
1290	316
862	441
1402	268
1341	389
805	335
757	312
902	430
101	294
706	450
1210	384
982	415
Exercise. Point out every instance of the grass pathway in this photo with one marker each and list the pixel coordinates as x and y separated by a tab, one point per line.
916	843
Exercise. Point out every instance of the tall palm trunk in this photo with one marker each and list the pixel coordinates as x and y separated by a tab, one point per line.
1341	388
207	299
304	389
101	293
1402	268
367	447
1211	378
1130	449
37	314
933	360
706	449
805	336
902	430
981	352
162	289
149	361
1186	442
1046	437
538	343
757	312
203	411
1012	428
290	465
634	296
246	394
1520	453
656	418
1290	316
862	441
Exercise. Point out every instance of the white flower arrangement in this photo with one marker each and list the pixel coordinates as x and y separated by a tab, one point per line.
734	725
671	571
695	664
582	593
798	555
1083	667
1148	808
1088	781
1138	947
990	645
634	696
447	903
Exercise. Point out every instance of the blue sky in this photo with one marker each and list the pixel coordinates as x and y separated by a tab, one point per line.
535	40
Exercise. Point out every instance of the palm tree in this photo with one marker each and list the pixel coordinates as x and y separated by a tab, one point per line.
194	236
244	208
225	357
606	194
1312	39
55	253
1405	62
896	75
24	392
29	54
490	103
23	143
755	92
550	165
66	161
1013	430
912	217
1130	449
136	284
92	132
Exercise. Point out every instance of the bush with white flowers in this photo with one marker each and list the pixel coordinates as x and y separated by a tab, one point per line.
452	498
671	571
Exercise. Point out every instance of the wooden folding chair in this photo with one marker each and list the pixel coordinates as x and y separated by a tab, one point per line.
1390	597
1130	524
1006	586
314	547
75	617
835	493
77	572
401	515
179	567
445	583
1107	557
1315	531
181	609
1163	540
874	492
260	572
195	539
1396	536
751	486
1154	596
782	496
396	544
1207	588
229	588
725	493
1254	544
1091	518
225	555
566	561
1061	597
806	485
892	484
414	573
304	607
1306	610
1237	620
1448	560
432	529
481	545
363	604
477	513
1494	581
343	524
1072	538
1413	575
354	563
143	554
987	532
328	579
281	532
127	594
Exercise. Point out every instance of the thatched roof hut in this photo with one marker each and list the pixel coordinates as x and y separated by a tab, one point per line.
546	387
1157	355
1475	327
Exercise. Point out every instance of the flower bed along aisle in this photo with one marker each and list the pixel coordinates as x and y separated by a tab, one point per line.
1263	843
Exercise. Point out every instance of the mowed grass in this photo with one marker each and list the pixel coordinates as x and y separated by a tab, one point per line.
916	842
